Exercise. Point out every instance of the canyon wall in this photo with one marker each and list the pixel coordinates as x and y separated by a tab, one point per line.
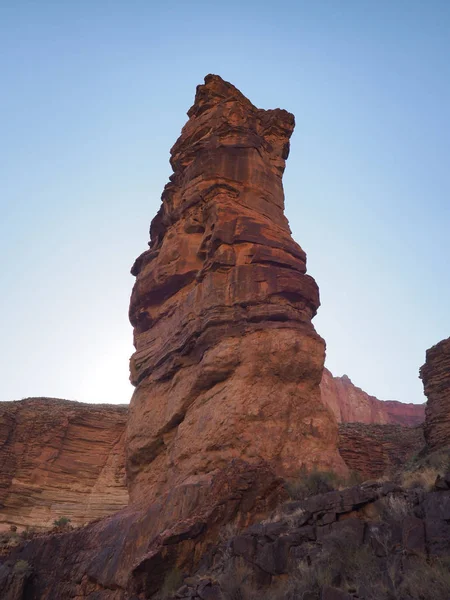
374	450
350	404
60	458
435	374
227	362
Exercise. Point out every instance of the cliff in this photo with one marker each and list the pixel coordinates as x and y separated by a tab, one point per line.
350	404
374	450
227	362
435	374
60	458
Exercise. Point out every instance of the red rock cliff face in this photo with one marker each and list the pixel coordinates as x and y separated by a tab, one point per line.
60	458
350	404
435	374
373	450
227	362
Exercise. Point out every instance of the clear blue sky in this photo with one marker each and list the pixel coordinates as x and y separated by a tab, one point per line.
94	94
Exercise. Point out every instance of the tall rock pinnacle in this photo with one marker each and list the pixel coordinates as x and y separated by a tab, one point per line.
227	362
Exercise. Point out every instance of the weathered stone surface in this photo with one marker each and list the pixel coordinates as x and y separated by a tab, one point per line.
227	362
60	458
350	404
128	555
376	450
331	593
435	374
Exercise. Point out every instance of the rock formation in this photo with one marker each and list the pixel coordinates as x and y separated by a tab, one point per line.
371	533
128	555
227	362
35	489
60	458
435	374
375	450
350	404
227	371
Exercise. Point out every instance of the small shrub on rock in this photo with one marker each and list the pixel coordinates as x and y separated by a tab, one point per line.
21	566
237	582
62	522
426	581
395	508
312	483
172	582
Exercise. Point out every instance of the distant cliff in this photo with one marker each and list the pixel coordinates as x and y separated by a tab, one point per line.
350	404
60	458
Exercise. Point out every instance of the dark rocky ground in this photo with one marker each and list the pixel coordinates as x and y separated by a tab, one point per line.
378	540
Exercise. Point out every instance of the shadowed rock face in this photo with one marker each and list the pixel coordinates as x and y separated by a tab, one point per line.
435	374
60	458
351	404
227	362
373	450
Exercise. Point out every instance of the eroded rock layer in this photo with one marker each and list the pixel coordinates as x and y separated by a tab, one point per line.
60	458
227	362
351	404
435	374
127	555
375	450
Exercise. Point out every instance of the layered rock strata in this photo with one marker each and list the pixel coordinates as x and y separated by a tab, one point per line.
435	374
350	404
375	450
128	555
60	458
227	361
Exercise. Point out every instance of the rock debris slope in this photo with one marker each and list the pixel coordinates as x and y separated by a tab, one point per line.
227	361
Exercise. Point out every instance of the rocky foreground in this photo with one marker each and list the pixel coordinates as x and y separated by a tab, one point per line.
62	459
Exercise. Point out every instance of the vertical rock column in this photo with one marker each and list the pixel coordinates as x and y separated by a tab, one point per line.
227	362
435	374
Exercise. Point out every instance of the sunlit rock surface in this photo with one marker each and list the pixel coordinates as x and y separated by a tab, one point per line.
60	458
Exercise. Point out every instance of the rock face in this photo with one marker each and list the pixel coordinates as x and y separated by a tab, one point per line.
60	458
375	450
389	526
350	404
127	555
227	362
435	374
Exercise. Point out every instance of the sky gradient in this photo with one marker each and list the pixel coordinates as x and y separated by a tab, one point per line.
94	96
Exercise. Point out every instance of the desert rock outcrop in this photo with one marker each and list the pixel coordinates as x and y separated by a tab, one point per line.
435	374
227	361
60	458
350	404
374	450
